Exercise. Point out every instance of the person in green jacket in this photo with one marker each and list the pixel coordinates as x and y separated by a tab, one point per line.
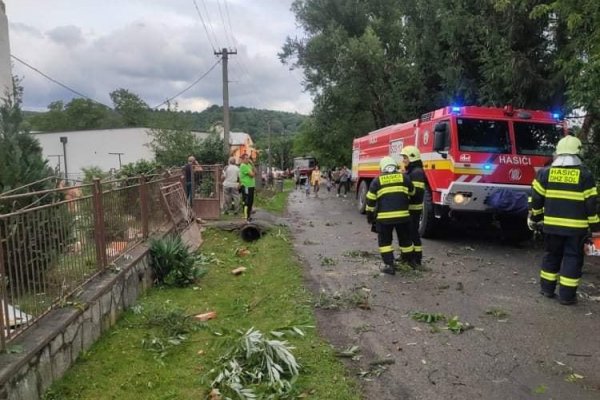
248	183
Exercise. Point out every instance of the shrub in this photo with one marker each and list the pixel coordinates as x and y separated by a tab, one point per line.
31	242
172	262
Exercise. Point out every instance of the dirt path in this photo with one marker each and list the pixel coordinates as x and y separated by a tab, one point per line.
538	350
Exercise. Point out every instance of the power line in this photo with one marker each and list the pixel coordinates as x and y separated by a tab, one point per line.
229	22
204	24
190	86
224	24
58	82
209	23
250	82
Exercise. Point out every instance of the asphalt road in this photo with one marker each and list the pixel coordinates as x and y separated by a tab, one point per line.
521	345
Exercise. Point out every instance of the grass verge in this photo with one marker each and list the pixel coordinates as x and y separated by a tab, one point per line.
268	296
272	201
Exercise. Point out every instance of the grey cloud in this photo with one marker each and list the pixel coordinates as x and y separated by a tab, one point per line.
21	28
156	60
66	35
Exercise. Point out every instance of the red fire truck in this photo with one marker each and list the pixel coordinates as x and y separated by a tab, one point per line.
305	165
471	155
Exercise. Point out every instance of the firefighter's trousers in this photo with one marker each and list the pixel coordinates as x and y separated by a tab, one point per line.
415	238
385	236
562	263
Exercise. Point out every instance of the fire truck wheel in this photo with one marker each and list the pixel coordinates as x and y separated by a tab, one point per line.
514	229
429	226
363	188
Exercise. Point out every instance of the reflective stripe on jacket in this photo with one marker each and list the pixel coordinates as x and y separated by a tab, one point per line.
388	196
565	199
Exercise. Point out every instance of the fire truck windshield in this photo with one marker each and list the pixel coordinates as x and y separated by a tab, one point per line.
480	135
305	162
537	139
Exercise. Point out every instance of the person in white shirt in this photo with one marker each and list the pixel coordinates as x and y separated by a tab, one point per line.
231	184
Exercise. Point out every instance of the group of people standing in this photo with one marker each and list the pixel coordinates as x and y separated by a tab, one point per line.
236	180
239	180
336	179
563	205
395	203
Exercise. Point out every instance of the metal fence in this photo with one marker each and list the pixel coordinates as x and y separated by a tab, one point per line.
48	251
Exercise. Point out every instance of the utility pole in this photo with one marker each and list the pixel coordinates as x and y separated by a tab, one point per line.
270	159
59	156
224	53
64	140
117	154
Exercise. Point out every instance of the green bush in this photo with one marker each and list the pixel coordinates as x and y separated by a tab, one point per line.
172	262
31	242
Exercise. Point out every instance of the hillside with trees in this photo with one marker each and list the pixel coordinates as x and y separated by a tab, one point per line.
130	111
171	128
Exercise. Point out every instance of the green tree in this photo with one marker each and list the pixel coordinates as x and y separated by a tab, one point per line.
131	107
172	147
35	242
282	152
576	30
373	63
140	167
21	154
84	114
172	141
54	120
210	150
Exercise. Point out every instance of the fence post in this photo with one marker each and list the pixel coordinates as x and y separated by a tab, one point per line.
3	296
144	206
99	231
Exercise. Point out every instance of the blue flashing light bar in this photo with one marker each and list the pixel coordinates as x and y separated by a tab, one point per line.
487	167
556	115
456	109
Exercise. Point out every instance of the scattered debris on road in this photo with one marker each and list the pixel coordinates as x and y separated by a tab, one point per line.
497	312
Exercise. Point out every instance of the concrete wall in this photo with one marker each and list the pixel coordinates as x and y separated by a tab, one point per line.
5	65
52	345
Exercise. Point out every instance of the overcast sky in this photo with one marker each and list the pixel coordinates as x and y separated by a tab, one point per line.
155	48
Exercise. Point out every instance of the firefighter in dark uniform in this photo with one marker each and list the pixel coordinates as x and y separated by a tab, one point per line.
414	169
387	207
564	198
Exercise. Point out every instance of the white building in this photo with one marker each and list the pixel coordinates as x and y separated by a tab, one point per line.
5	65
93	148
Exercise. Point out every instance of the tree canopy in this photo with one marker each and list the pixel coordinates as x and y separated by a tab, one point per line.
21	154
131	111
372	63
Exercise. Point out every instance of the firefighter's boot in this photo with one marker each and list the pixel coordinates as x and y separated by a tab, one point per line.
418	258
389	269
410	260
405	259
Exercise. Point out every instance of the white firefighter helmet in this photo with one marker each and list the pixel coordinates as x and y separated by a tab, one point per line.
568	145
388	164
411	152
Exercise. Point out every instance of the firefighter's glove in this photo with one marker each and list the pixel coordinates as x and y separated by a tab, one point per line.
534	226
371	218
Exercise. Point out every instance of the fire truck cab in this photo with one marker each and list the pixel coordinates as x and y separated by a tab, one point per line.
305	167
478	162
